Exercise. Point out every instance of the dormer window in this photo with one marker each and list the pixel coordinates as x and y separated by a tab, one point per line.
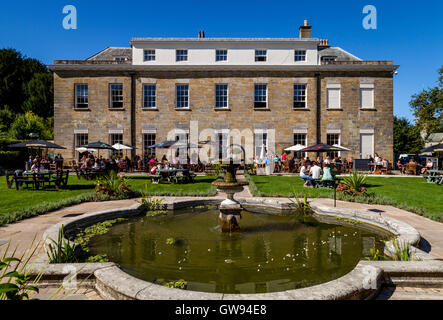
149	55
221	55
260	55
299	55
120	59
329	58
181	55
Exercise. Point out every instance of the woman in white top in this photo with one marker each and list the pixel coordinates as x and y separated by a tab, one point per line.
429	165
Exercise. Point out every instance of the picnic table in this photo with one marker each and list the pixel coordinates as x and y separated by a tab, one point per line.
172	175
434	176
41	179
90	173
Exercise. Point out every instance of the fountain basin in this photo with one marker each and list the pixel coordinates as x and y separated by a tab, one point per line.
113	283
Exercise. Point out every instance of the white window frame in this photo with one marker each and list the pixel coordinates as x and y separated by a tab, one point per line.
368	132
261	55
122	96
151	151
155	95
260	132
305	96
335	132
223	55
183	55
266	92
227	96
369	87
335	87
83	96
176	96
152	55
300	55
301	132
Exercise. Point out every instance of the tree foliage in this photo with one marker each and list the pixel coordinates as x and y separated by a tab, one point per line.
25	84
427	107
407	137
27	123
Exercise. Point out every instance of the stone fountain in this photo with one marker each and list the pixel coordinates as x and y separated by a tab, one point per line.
230	209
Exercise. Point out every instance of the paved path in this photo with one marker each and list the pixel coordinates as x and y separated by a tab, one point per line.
21	234
431	231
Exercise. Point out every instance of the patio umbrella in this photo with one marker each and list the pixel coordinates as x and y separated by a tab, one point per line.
297	147
98	145
119	146
436	148
164	144
38	144
339	146
81	149
322	147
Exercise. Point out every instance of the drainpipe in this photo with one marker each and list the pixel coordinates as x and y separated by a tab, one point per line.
318	109
133	88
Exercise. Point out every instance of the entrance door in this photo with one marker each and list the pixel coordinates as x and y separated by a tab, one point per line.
366	145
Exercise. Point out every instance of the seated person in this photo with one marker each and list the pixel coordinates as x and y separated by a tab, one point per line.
35	166
327	175
304	173
95	165
429	166
384	163
155	168
315	171
401	166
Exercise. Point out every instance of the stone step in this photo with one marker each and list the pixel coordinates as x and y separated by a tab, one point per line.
418	282
410	293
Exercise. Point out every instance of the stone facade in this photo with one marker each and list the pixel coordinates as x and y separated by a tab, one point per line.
98	119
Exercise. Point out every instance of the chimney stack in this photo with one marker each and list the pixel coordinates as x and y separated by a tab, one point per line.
201	34
305	30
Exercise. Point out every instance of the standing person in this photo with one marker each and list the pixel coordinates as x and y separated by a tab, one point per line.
283	156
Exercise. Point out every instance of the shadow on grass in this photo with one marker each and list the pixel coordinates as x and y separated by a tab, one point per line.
79	187
369	185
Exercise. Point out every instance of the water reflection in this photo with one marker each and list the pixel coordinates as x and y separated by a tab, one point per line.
274	253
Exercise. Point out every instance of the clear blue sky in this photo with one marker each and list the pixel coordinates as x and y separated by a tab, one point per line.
408	32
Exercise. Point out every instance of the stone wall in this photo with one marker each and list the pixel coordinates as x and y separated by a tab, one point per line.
98	119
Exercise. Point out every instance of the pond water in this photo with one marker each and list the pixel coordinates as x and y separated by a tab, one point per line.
271	253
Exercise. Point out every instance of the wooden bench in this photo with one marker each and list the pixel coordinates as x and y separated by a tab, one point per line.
155	178
9	179
20	180
325	183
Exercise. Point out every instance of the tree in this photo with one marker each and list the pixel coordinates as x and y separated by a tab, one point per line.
6	118
407	137
25	84
39	95
11	79
27	123
427	107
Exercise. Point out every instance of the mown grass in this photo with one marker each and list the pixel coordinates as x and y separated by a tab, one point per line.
412	194
17	205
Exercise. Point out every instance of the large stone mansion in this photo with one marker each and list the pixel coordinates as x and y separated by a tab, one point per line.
301	89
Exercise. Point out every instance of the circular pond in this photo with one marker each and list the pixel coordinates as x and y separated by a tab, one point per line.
271	253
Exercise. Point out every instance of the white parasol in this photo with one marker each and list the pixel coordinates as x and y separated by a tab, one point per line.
297	147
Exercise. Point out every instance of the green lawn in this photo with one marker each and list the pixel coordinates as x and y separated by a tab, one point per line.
408	193
16	205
